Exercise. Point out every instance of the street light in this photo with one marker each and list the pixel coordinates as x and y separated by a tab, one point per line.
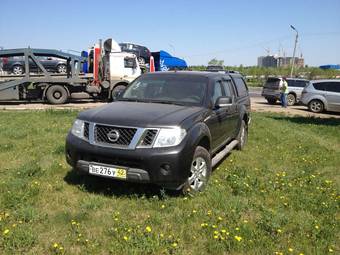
296	39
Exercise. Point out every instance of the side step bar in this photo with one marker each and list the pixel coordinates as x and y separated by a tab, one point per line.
217	158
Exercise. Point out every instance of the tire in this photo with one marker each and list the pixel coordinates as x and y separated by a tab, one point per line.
316	106
61	68
56	94
200	172
18	70
116	90
271	100
242	136
141	61
291	99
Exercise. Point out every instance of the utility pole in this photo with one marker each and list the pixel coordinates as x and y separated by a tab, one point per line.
293	59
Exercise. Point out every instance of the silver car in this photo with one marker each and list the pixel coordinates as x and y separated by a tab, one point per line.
322	95
271	90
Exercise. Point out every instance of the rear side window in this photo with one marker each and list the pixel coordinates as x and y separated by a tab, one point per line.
319	85
332	86
241	87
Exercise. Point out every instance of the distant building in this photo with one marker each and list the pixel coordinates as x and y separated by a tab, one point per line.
275	61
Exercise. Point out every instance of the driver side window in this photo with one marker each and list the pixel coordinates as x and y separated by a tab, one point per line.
217	92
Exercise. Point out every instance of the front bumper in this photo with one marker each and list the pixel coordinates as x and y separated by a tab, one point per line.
168	167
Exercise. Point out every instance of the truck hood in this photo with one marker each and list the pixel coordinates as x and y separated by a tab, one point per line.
137	114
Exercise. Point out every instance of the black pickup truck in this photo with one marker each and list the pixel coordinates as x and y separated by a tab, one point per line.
167	128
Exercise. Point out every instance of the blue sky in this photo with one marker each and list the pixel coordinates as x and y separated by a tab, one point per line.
235	31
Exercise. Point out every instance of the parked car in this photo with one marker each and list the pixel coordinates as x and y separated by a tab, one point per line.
167	128
16	65
322	95
271	91
143	53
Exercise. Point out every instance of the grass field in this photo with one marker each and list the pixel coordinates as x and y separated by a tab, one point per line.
279	196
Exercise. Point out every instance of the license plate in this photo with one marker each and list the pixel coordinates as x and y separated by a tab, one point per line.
107	171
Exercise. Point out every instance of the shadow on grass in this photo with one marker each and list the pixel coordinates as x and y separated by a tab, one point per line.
309	120
111	187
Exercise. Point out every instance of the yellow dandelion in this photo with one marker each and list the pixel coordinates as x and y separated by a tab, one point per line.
61	248
316	227
125	238
174	245
163	206
245	221
237	229
6	231
214	226
220	218
215	236
55	245
301	253
148	229
279	231
290	249
330	250
223	231
194	211
238	238
161	235
215	232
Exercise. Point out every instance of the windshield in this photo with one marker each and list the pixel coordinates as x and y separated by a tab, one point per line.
171	89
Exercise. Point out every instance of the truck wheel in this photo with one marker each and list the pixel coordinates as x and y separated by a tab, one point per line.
56	94
61	68
271	100
291	99
200	172
18	70
116	91
242	136
316	106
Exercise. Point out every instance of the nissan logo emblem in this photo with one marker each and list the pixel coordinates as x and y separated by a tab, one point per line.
113	135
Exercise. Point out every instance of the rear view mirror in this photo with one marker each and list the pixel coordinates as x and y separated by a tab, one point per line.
223	102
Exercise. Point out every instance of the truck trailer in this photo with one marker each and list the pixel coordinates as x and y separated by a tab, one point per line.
108	71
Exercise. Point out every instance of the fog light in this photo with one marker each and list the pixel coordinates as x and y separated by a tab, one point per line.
165	169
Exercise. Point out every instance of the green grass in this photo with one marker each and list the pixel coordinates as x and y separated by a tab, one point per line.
279	195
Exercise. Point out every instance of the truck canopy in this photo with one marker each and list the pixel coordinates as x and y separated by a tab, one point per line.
164	61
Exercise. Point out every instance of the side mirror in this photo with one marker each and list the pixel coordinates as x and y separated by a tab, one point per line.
223	102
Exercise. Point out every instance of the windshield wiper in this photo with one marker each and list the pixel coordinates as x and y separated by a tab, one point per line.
167	102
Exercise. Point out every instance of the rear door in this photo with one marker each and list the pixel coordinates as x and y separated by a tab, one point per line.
333	95
233	110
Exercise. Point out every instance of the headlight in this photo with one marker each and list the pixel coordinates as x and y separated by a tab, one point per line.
169	137
78	128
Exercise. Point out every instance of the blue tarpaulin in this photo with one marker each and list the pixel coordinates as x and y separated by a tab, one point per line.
165	62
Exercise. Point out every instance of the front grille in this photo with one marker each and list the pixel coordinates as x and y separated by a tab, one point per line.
149	137
102	134
86	130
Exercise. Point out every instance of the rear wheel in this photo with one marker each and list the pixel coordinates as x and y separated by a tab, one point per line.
271	100
291	99
18	70
316	106
56	94
242	136
200	171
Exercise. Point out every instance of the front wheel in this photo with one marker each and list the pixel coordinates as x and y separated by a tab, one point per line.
18	70
200	171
